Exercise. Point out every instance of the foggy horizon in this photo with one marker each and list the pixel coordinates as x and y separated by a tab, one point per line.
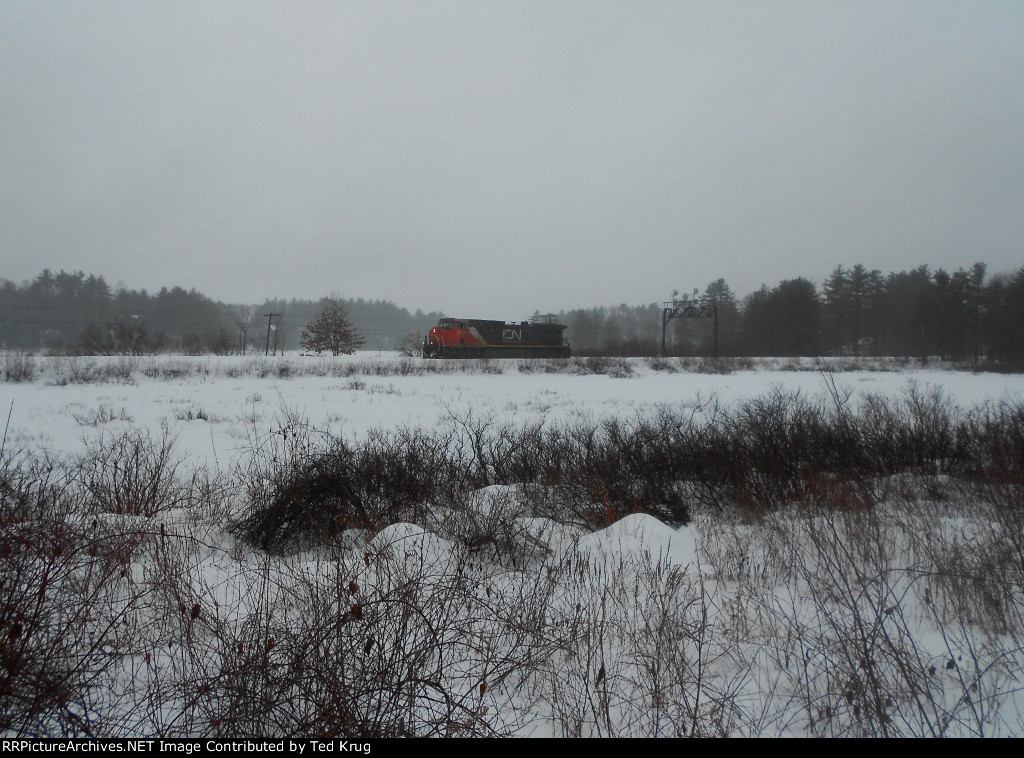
492	160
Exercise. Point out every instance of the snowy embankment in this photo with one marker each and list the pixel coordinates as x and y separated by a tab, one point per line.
148	590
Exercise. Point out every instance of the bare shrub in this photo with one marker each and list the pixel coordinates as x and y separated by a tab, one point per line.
170	370
195	413
713	366
858	659
120	369
354	648
65	604
104	414
304	485
76	370
968	553
615	367
638	641
658	363
487	524
19	366
192	344
765	453
133	474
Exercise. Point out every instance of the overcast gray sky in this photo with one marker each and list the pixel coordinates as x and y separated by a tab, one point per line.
491	158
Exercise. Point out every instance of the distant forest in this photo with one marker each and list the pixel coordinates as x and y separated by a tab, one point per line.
79	313
966	315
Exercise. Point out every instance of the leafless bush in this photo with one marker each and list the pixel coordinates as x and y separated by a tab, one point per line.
131	473
713	366
639	654
858	656
104	414
546	366
487	523
72	369
121	369
765	453
170	370
195	413
374	644
659	363
65	603
615	367
303	485
19	366
75	369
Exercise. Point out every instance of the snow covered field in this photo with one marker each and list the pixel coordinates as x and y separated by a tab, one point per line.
485	617
214	405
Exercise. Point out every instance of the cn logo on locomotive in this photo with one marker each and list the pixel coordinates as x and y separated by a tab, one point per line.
512	335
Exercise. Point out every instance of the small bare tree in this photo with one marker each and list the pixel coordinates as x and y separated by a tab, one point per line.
245	317
410	345
331	330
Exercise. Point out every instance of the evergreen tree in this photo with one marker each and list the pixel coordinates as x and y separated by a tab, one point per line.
720	294
1013	317
864	286
835	310
783	321
907	313
974	301
760	323
331	330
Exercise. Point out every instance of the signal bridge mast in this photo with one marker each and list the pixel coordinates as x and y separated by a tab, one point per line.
689	306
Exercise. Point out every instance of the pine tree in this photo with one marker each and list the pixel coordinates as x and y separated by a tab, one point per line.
331	330
721	295
836	310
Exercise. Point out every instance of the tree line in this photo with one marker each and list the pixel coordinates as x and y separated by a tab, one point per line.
964	315
76	312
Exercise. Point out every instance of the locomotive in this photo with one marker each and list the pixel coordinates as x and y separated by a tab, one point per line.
476	338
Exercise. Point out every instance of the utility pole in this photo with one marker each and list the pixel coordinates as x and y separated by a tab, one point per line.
270	320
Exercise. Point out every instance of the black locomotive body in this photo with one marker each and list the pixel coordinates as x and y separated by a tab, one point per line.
478	338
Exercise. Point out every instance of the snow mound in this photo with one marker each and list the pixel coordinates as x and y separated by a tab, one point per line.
642	534
412	552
